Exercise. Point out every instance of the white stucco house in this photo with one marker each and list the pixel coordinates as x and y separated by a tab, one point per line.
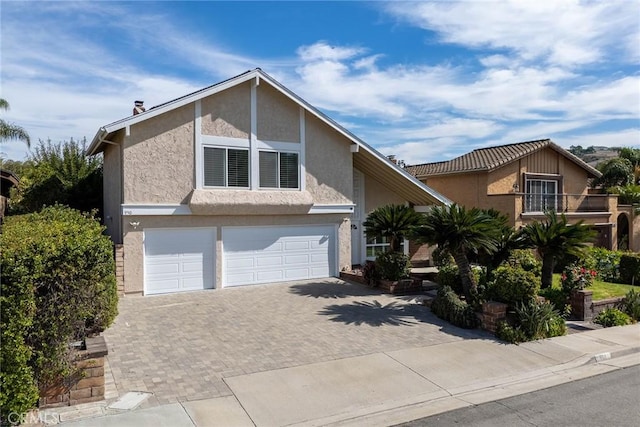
240	183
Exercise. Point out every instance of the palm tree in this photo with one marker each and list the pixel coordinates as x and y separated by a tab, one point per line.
393	222
555	238
460	231
508	240
10	131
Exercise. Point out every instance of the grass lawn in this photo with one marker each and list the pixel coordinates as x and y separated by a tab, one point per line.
602	290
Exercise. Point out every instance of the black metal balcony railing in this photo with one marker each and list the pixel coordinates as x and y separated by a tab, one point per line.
565	202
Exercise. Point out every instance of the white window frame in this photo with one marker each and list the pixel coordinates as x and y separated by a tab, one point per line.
375	245
541	198
252	144
279	184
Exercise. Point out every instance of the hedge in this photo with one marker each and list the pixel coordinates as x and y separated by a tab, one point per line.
630	269
63	266
18	390
448	306
513	285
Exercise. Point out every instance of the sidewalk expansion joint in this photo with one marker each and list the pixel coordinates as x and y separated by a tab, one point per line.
417	373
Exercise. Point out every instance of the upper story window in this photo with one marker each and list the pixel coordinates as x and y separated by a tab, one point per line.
279	169
226	167
541	195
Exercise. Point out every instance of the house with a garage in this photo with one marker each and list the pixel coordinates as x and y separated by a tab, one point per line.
242	183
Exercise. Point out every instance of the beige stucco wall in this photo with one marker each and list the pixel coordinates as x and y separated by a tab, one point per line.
158	160
328	163
469	189
634	234
112	179
377	194
133	239
228	113
278	116
502	180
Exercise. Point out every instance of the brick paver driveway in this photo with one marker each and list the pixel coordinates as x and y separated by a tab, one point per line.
182	346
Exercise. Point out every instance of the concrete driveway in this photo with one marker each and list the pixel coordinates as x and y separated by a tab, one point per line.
181	347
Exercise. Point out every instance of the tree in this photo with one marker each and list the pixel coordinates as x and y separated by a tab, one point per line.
615	172
9	131
633	155
460	231
508	240
555	238
61	174
393	222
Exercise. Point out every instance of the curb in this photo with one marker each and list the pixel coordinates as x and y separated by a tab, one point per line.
541	379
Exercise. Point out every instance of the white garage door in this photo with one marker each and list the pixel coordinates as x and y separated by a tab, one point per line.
177	260
276	254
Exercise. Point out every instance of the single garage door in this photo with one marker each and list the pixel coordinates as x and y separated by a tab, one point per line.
276	254
177	260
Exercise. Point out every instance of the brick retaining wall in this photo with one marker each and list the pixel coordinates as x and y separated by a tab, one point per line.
584	308
493	313
87	386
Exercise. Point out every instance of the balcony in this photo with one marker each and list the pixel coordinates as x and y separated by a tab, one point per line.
521	206
568	203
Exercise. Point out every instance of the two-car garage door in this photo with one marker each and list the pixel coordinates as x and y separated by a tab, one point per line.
178	260
275	254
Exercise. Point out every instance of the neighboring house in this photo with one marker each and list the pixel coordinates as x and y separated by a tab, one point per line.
241	183
523	180
7	180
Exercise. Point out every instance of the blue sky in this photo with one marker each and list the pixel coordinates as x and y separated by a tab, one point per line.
425	81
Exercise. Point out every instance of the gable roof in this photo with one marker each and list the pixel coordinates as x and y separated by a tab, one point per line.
492	158
365	157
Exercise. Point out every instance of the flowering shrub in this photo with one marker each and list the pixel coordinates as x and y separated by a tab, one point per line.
576	277
605	262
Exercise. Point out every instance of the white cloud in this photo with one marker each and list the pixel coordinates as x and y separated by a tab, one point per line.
606	99
567	33
322	51
532	82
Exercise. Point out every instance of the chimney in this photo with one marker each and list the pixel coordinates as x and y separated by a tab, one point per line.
393	159
138	108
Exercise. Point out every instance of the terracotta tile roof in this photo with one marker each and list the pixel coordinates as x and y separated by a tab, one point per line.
491	158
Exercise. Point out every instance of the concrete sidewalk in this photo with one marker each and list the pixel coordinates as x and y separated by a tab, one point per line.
391	387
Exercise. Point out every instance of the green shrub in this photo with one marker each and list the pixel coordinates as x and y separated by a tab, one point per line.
393	265
540	320
534	320
448	306
64	256
630	268
525	259
558	298
631	304
509	333
513	285
18	391
605	262
442	257
448	276
612	317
